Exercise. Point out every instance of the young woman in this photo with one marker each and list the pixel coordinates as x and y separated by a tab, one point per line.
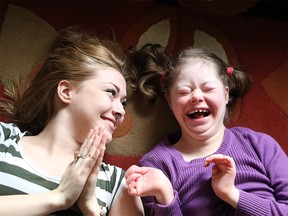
51	152
208	169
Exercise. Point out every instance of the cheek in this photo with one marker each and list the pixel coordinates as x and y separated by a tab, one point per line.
103	104
178	104
217	102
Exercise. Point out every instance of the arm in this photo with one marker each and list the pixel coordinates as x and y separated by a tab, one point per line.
127	205
274	200
32	205
271	196
65	195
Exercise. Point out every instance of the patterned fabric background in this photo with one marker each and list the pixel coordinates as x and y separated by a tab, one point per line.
250	34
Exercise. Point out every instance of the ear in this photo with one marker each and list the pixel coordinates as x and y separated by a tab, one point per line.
64	91
227	90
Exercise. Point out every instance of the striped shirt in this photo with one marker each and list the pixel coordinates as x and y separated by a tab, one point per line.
19	176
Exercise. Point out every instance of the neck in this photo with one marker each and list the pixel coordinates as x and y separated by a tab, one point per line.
52	150
58	137
193	147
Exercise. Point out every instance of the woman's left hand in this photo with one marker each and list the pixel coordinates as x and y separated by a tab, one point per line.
87	201
223	178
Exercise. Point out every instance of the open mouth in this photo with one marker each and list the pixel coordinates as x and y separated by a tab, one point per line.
198	114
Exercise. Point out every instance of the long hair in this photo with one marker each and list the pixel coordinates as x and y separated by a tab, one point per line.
75	58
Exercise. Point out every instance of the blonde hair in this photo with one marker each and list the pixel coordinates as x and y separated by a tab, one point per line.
75	59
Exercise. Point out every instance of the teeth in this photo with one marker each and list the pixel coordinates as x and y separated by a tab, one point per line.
199	110
110	122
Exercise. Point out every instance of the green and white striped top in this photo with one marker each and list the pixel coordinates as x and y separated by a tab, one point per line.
19	176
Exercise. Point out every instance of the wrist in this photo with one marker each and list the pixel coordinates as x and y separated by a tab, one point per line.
165	197
58	201
91	208
233	197
97	212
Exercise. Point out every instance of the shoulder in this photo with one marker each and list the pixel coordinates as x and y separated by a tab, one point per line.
257	141
159	148
9	131
110	183
162	152
109	172
247	134
111	178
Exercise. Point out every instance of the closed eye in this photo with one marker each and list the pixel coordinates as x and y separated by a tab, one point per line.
184	91
207	89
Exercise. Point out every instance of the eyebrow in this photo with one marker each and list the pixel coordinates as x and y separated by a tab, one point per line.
118	89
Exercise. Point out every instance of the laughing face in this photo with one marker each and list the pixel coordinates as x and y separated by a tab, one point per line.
100	101
198	98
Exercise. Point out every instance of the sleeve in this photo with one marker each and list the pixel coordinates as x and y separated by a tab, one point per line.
275	162
109	185
151	206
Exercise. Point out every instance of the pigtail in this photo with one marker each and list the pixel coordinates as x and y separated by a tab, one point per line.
239	83
148	67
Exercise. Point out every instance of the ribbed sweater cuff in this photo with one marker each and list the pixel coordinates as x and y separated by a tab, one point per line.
169	210
251	205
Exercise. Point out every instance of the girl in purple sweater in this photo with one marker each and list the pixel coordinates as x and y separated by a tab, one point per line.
207	169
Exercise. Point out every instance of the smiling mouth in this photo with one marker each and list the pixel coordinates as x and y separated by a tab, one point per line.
197	114
110	123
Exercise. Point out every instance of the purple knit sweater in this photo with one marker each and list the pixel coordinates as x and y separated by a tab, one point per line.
262	177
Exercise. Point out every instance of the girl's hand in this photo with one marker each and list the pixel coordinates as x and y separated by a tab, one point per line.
148	181
223	178
87	201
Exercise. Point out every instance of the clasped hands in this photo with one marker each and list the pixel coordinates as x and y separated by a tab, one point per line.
78	184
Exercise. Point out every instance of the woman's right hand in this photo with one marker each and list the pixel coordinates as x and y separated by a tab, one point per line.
148	181
75	177
87	201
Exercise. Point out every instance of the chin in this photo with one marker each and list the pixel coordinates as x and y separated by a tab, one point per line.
109	138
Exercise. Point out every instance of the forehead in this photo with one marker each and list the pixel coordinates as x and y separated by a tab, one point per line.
106	74
197	66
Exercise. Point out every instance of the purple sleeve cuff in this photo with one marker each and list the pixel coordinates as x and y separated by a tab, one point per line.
252	205
171	209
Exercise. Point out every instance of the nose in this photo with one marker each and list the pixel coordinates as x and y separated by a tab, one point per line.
118	111
197	95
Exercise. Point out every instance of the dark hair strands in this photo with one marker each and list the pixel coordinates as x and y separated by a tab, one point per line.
151	60
146	66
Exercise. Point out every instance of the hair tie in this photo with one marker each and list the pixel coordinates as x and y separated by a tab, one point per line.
230	70
163	76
